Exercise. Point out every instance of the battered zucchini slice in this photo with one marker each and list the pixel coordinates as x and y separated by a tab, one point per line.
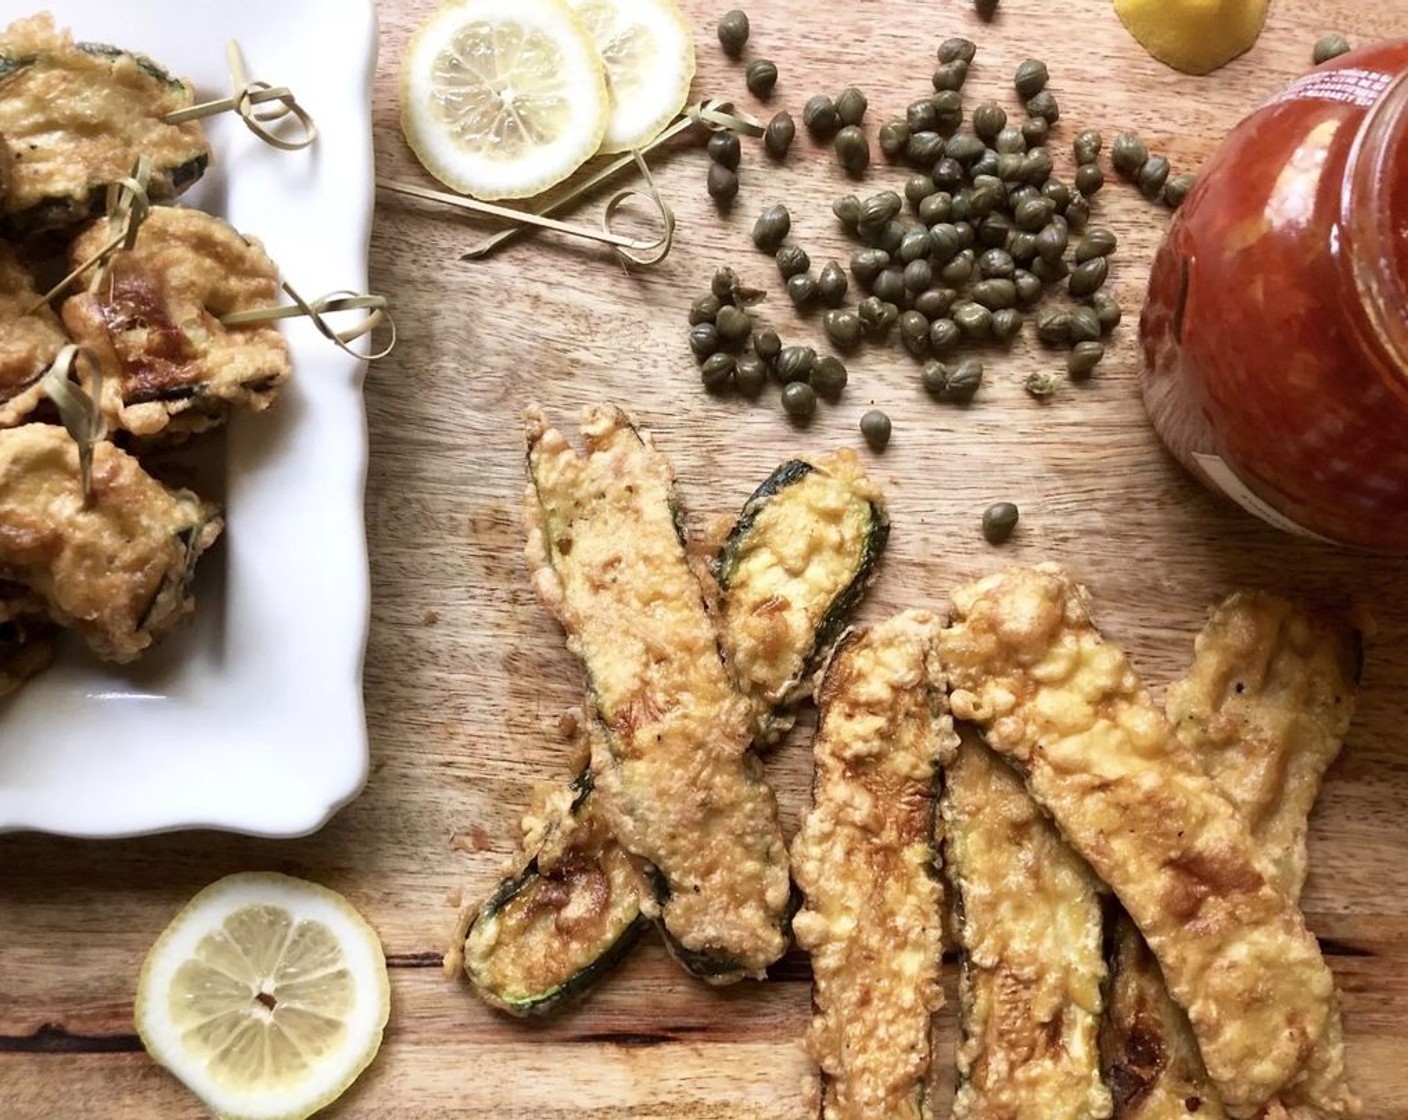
29	340
1048	693
27	637
866	863
169	364
117	570
1030	928
804	550
74	117
1264	709
679	788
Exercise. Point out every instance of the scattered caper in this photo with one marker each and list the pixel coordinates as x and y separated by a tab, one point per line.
965	148
918	275
724	148
831	284
1089	179
889	285
1107	309
973	319
1087	145
795	364
934	303
961	209
999	520
750	374
852	149
772	227
1010	142
944	242
1097	242
894	138
876	316
924	149
761	77
1078	210
948	173
829	376
875	428
798	400
1028	287
957	49
820	117
704	309
851	105
916	244
721	183
767	345
792	259
956	384
1039	384
703	339
935	377
847	211
1085	324
779	134
801	290
1058	192
1083	358
995	294
914	333
951	75
918	187
842	328
717	371
944	335
948	109
1022	246
996	264
1049	271
889	236
734	324
1177	188
1328	47
1153	175
1128	154
959	270
879	208
1044	105
867	264
921	116
1036	167
986	9
1006	324
989	119
733	32
1033	213
986	165
1053	326
1051	241
993	230
1030	79
1034	131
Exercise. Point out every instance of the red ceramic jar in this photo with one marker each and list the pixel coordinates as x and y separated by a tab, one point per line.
1276	328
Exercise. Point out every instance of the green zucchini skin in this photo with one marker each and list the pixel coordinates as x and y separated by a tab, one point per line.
145	64
794	470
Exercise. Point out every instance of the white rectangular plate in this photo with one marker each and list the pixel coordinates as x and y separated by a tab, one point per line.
249	717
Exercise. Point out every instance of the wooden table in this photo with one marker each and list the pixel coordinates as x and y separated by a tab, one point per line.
466	677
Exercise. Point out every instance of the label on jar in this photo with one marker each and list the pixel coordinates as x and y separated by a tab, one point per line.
1220	476
1349	87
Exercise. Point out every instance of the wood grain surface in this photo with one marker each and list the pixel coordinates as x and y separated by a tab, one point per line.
466	677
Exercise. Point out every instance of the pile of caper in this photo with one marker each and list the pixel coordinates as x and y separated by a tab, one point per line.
1150	173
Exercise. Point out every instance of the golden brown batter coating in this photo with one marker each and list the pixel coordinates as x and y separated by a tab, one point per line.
866	863
1030	927
28	342
1049	693
117	570
679	786
27	637
168	363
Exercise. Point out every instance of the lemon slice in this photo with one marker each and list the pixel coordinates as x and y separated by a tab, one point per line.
503	98
648	49
266	995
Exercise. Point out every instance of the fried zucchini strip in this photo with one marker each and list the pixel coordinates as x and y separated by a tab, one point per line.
1029	922
866	863
30	338
680	788
1264	709
1051	695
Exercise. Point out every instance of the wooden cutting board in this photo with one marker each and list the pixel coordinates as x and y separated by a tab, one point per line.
466	677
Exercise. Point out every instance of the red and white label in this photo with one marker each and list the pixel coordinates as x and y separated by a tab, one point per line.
1348	87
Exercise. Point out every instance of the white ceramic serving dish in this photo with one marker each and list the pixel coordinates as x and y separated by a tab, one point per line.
249	718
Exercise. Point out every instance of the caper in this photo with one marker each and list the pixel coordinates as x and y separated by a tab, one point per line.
1087	145
1028	287
1018	195
867	264
831	284
957	50
965	148
1058	192
733	32
1009	167
973	319
820	116
1034	131
935	208
875	428
987	165
876	316
779	134
1030	78
921	116
767	345
1033	213
703	339
948	174
918	275
851	105
967	235
944	242
999	520
1006	324
1085	324
989	119
889	236
993	230
1022	246
795	364
1051	242
1078	211
918	187
750	374
1039	384
933	303
829	375
1328	47
995	294
925	149
944	335
847	211
914	333
951	75
894	138
717	371
704	309
801	290
1036	167
917	243
1177	188
798	400
1049	271
1044	105
1089	179
1097	242
1128	154
1153	175
724	284
1083	358
724	148
1107	309
852	149
948	109
842	328
1053	326
792	259
996	264
889	285
985	9
956	384
935	377
959	270
961	208
1010	141
772	226
879	208
721	183
734	324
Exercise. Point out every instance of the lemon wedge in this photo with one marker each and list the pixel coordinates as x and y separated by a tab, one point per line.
266	995
503	98
648	49
1194	36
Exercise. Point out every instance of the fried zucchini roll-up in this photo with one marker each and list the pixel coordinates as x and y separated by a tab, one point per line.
1264	709
75	117
1030	926
680	789
29	341
805	548
168	362
117	569
1048	693
866	862
27	636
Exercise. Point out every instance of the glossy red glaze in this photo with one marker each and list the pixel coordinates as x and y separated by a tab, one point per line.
1275	331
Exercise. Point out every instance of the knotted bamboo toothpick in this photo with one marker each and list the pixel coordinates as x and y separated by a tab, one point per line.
245	98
